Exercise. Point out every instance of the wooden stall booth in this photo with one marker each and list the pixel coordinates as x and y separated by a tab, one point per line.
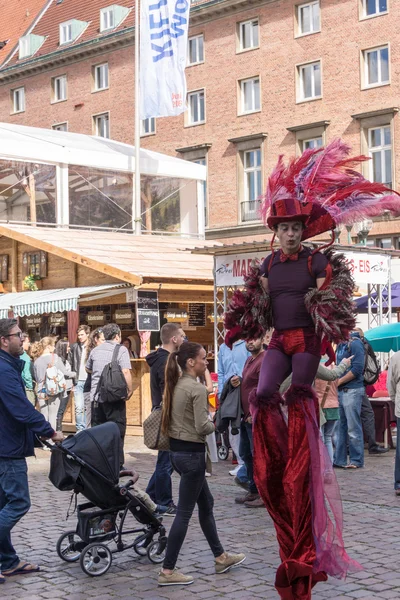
96	278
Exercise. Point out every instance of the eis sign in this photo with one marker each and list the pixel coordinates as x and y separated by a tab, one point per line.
366	268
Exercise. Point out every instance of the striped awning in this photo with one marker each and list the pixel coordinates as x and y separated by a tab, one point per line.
23	304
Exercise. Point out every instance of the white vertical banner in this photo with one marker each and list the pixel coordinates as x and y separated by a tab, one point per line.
164	28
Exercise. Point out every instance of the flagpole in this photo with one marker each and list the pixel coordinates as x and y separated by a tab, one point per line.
137	209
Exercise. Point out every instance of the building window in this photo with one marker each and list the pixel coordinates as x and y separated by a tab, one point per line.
66	32
310	81
60	127
308	18
313	143
102	125
101	77
34	264
107	20
380	149
195	50
252	185
148	126
249	35
112	16
18	100
376	63
384	243
374	7
250	95
24	47
196	107
59	88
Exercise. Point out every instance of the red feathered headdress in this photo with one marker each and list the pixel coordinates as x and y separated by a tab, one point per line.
322	189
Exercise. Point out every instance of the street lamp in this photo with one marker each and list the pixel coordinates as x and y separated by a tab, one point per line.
337	233
362	229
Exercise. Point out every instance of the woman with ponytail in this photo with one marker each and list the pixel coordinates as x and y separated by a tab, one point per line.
185	420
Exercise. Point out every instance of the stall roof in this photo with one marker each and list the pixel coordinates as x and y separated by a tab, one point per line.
51	146
49	301
135	259
260	246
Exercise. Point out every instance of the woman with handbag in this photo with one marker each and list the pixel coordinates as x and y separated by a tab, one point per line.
185	420
50	374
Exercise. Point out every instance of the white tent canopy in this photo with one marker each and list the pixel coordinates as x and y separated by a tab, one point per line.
60	147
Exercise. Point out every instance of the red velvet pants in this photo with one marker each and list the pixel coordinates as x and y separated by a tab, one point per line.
282	466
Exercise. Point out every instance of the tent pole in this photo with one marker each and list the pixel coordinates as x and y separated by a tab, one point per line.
136	208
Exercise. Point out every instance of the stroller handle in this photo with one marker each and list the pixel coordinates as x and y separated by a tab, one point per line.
132	473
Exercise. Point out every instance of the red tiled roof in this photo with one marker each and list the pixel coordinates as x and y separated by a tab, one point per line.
66	10
16	18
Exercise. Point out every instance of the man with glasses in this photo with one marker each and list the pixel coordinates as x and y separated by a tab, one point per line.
19	423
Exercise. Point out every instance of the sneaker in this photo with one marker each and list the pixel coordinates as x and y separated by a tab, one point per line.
171	511
242	484
234	471
246	498
208	474
175	578
230	561
256	503
379	450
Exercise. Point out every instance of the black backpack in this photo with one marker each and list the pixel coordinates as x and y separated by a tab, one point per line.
372	368
112	383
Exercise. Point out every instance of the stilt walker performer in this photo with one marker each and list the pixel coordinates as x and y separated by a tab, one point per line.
307	297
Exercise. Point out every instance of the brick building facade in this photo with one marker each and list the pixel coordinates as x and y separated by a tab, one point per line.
264	78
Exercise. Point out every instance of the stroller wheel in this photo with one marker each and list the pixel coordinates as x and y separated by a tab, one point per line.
96	559
70	546
140	547
156	550
223	452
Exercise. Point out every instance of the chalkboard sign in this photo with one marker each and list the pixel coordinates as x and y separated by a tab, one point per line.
197	315
148	314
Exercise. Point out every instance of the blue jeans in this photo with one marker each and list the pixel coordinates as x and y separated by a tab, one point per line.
246	453
327	430
14	504
160	485
79	405
397	459
350	428
193	489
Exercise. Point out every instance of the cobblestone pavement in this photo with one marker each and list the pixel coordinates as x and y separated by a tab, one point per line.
372	534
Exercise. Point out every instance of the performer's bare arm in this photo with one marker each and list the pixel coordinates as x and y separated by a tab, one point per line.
264	283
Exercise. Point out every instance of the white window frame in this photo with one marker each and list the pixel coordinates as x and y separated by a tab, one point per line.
366	84
66	27
300	91
378	13
56	125
195	39
240	34
299	7
24	47
242	83
246	190
190	95
96	123
99	73
381	149
313	139
54	88
14	93
103	13
152	130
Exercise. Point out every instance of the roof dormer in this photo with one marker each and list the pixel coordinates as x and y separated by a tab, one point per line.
30	44
71	30
112	16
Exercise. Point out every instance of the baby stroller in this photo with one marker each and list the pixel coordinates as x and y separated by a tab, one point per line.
88	463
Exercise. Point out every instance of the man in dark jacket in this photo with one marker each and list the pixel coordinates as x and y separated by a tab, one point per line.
160	485
77	358
19	422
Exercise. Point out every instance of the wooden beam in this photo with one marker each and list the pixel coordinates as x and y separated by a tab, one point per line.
14	266
72	256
